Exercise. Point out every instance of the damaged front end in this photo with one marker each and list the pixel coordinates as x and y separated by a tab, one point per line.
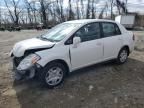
25	67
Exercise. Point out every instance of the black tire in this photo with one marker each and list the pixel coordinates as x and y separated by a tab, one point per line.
43	75
119	58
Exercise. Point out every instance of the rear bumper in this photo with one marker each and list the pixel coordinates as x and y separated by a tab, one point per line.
132	46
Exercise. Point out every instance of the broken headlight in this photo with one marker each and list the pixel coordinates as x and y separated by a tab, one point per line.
28	61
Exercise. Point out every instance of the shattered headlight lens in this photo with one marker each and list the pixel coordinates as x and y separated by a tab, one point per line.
28	61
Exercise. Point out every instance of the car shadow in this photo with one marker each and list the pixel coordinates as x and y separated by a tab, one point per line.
32	94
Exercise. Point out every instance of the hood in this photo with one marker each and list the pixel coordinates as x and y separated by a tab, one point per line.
30	44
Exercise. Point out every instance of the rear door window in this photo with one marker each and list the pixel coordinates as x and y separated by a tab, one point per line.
110	29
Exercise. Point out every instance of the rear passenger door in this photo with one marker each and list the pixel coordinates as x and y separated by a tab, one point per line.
112	40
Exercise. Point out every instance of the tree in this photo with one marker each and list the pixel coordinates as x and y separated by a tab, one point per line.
102	12
0	15
43	12
82	9
77	10
71	13
29	11
111	8
44	9
121	6
15	12
93	8
88	10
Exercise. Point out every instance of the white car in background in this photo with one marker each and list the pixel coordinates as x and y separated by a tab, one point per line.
70	46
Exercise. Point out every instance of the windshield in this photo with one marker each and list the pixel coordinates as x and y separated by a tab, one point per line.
60	31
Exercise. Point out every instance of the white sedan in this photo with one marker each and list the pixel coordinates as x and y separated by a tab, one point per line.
70	46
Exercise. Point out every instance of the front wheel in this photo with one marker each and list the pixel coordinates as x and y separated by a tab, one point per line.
123	55
53	74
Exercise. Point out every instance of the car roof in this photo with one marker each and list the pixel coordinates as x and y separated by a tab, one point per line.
83	21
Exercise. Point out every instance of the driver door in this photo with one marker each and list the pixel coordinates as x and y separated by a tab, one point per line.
90	49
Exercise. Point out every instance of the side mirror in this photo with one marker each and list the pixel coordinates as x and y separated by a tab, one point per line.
76	41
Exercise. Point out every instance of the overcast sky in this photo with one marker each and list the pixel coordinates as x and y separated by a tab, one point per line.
136	5
133	5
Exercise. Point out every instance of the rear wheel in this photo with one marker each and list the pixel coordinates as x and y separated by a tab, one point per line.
123	55
53	74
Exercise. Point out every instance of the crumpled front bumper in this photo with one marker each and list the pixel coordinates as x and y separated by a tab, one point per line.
24	74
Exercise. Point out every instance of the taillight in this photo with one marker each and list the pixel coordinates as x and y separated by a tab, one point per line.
133	37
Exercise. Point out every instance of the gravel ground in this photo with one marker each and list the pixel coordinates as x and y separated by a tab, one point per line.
105	85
